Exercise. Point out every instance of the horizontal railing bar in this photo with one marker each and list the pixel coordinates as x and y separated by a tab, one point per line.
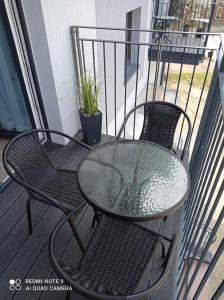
146	44
141	30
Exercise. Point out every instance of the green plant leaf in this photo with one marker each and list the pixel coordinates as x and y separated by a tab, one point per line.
89	95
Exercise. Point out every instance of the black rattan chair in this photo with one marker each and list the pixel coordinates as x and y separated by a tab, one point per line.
27	163
114	261
160	122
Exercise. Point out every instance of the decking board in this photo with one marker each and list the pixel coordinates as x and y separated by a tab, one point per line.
42	268
8	197
20	235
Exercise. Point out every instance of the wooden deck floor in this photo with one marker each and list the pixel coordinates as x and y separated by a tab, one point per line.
26	257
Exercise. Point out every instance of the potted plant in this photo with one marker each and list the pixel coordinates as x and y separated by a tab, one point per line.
90	115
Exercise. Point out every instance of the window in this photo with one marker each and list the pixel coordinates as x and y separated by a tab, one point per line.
128	37
133	19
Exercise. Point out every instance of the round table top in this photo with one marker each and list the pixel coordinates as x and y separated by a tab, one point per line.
134	180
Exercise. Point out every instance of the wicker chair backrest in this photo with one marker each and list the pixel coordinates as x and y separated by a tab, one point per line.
160	122
26	155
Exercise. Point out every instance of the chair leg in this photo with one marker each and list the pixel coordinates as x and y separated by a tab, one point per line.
163	250
68	294
93	221
77	236
28	211
96	218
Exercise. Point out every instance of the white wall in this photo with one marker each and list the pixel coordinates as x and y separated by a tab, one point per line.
38	39
51	41
112	13
58	17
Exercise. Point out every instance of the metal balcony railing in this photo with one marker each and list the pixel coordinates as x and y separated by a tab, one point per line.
198	89
205	203
193	15
123	85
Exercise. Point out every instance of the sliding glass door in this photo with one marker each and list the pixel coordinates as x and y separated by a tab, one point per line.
15	113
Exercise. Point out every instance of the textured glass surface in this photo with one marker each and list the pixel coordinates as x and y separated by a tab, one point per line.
133	178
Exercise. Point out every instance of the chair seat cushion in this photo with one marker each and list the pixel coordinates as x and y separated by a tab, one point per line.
115	258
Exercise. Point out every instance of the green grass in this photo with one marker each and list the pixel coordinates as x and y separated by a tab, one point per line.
186	78
89	95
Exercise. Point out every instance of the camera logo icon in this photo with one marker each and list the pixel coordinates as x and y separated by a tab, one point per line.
15	284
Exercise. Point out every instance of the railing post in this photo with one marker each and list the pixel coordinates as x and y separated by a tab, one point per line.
159	57
78	50
220	60
77	55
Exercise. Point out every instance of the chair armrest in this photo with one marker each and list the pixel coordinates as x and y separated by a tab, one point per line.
167	265
51	250
126	119
64	135
163	277
36	191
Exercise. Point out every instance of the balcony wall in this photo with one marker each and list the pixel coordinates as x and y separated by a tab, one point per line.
58	17
41	56
54	61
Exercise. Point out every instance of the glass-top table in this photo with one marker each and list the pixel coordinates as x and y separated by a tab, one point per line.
134	180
